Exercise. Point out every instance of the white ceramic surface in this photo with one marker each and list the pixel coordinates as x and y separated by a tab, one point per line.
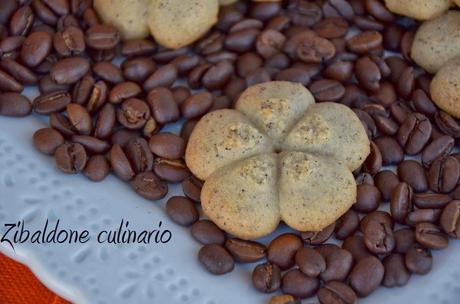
33	190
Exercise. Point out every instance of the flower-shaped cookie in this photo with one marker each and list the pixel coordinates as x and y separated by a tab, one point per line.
277	156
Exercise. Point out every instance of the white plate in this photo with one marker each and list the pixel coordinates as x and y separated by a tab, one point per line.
31	189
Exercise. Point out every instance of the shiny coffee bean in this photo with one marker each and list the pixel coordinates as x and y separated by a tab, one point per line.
368	198
108	72
365	42
318	237
431	200
327	90
373	162
245	251
197	105
51	102
69	70
216	259
97	168
346	225
79	118
70	158
182	210
392	153
450	219
338	262
133	113
120	163
167	145
206	232
138	69
419	260
266	277
438	148
355	245
138	153
404	240
295	283
149	186
191	187
412	172
443	174
92	144
423	215
310	262
282	249
171	170
164	76
14	104
123	91
366	276
414	133
386	181
47	140
336	292
368	74
163	105
396	273
431	236
401	202
102	37
378	237
105	121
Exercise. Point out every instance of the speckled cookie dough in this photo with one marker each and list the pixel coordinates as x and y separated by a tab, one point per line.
437	41
177	23
418	9
445	87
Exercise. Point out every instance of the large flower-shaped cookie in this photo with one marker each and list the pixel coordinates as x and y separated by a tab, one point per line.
277	156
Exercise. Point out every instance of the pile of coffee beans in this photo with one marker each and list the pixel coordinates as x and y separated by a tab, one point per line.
106	117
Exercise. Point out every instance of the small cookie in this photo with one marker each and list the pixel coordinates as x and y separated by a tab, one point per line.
128	16
275	106
313	191
445	87
330	129
437	41
242	198
177	23
418	9
221	137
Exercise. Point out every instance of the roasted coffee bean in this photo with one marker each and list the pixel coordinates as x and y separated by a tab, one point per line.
8	83
265	11
21	21
218	75
336	292
284	299
80	118
338	262
133	114
138	47
162	77
431	200
412	172
122	167
381	217
366	276
51	102
386	181
365	42
138	153
447	124
334	27
260	75
97	168
82	90
378	10
431	236
241	40
346	225
438	148
386	125
171	170
19	72
102	37
423	215
396	273
182	210
365	178
378	237
401	202
167	145
318	237
217	57
216	259
123	91
368	74
228	16
234	88
192	188
70	158
339	70
108	72
185	63
206	232
146	184
406	82
327	90
355	245
444	174
269	43
105	121
92	144
69	42
373	162
423	103
310	262
392	153
266	277
293	75
315	50
48	85
414	133
163	106
196	74
7	8
419	260
282	250
196	105
400	111
247	63
450	219
62	124
295	283
338	8
210	44
138	69
70	70
404	240
180	94
304	13
14	104
368	198
245	251
385	95
47	140
165	56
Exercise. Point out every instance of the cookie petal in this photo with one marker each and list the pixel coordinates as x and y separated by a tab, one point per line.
275	106
313	191
220	138
332	130
242	198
